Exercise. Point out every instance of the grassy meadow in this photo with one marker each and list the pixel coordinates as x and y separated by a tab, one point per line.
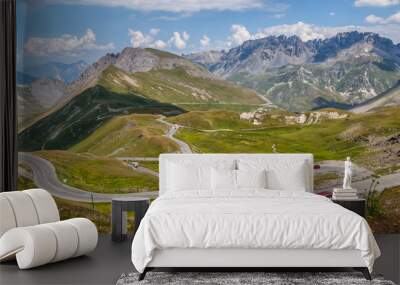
153	165
98	174
321	140
99	213
331	139
25	183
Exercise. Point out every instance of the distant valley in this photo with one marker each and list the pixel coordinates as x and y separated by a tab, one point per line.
66	72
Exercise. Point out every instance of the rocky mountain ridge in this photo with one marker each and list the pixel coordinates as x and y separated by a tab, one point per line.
341	71
255	56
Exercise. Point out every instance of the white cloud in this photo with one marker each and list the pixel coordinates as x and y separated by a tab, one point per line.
179	41
391	31
174	17
372	19
332	14
310	32
205	41
376	3
303	30
185	36
67	45
239	35
154	31
395	18
159	44
173	5
138	39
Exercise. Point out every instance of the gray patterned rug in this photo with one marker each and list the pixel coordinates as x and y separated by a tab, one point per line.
243	278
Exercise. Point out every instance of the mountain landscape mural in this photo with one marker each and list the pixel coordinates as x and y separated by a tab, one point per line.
95	116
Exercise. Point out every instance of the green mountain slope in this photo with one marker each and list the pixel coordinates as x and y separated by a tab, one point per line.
131	135
178	87
28	106
83	115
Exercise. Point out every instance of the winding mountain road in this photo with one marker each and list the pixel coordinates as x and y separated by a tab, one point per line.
44	176
173	128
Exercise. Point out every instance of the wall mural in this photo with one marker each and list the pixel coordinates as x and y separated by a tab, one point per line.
104	87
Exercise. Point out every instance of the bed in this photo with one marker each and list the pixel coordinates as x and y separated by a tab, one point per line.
246	211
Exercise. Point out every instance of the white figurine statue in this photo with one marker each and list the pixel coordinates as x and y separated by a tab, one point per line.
347	174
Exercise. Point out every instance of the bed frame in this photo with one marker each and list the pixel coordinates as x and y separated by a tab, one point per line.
250	259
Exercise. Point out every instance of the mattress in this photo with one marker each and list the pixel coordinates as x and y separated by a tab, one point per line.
251	219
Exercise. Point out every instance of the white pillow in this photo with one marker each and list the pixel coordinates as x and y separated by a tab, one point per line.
188	177
251	178
282	174
223	179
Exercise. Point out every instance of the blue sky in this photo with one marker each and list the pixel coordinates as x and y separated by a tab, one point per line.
71	30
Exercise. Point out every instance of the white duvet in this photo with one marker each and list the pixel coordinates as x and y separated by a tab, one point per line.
250	219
